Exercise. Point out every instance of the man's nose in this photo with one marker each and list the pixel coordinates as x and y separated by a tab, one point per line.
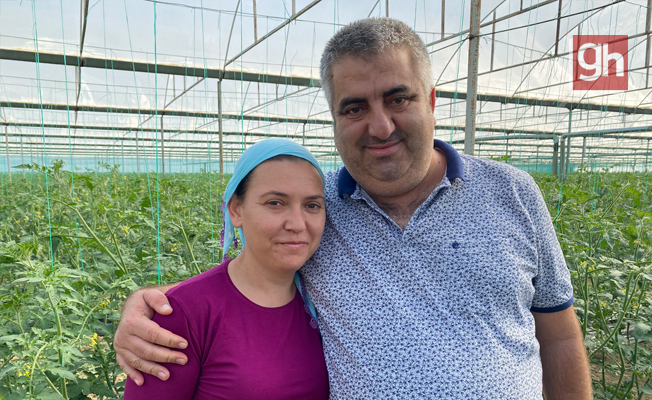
381	124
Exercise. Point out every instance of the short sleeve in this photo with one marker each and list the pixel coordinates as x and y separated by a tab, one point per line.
183	378
552	284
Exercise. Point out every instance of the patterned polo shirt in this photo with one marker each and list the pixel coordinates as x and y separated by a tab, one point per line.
440	310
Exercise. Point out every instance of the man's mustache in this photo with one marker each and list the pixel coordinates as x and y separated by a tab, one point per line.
396	136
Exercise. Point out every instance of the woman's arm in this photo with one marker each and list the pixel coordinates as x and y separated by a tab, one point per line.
182	379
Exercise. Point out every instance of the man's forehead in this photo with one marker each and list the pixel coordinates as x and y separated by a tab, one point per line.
352	73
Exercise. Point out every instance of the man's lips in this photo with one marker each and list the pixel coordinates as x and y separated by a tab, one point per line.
383	149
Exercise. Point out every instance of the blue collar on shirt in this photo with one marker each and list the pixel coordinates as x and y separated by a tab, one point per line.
454	169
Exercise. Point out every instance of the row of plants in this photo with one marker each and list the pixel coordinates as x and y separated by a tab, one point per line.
74	245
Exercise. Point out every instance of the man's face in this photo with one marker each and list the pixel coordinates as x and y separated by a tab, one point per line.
383	122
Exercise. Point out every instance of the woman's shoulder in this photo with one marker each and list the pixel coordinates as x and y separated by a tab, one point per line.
202	291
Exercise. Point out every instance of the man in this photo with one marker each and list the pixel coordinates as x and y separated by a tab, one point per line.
434	269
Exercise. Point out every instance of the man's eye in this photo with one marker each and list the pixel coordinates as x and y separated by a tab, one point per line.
354	110
399	100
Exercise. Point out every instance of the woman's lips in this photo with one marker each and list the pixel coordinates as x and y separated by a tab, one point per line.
294	245
383	150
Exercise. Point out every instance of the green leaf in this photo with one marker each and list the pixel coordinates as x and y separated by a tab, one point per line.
49	395
640	330
63	373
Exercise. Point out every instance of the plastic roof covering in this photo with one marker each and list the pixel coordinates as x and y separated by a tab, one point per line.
196	34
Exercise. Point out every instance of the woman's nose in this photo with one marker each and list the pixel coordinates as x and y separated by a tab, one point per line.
295	220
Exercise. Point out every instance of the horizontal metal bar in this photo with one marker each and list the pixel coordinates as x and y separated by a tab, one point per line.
526	101
169	69
165	112
152	130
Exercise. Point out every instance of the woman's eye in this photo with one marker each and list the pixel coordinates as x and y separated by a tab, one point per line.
274	203
314	206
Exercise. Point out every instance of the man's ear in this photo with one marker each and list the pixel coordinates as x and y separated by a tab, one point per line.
235	211
432	99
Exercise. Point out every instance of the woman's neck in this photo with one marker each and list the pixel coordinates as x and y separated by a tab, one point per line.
261	285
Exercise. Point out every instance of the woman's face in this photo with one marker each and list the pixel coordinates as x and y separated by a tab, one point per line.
282	214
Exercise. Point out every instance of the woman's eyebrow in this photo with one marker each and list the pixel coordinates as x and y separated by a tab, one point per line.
275	193
316	197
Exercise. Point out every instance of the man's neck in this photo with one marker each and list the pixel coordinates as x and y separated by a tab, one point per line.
401	208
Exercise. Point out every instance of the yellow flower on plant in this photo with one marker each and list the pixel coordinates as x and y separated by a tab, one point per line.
634	307
94	339
604	303
635	241
623	290
126	229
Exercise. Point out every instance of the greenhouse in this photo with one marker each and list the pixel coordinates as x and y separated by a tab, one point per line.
121	123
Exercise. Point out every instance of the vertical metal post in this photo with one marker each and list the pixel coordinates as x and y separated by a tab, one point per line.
583	148
7	148
387	8
493	41
472	80
647	155
648	23
537	161
562	157
555	153
304	134
568	154
256	21
443	17
137	155
507	144
162	149
22	160
558	27
219	122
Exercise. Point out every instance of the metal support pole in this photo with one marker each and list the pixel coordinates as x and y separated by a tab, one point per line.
537	161
294	7
648	23
472	80
493	41
583	149
555	153
137	155
562	158
568	153
647	155
219	122
558	27
443	17
162	149
387	8
304	134
7	148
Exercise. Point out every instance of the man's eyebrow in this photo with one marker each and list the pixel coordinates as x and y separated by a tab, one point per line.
350	100
398	89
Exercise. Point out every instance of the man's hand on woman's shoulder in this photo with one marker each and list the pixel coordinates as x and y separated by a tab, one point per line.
140	343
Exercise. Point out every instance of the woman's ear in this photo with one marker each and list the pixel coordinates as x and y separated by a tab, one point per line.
235	211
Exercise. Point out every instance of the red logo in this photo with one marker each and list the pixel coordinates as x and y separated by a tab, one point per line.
600	62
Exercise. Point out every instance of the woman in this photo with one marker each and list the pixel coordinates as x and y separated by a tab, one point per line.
250	334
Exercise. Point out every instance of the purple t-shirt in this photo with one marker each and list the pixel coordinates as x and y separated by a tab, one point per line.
236	348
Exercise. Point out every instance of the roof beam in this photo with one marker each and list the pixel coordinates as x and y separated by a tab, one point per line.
172	69
165	112
169	69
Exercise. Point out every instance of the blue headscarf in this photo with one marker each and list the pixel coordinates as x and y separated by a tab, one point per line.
250	159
